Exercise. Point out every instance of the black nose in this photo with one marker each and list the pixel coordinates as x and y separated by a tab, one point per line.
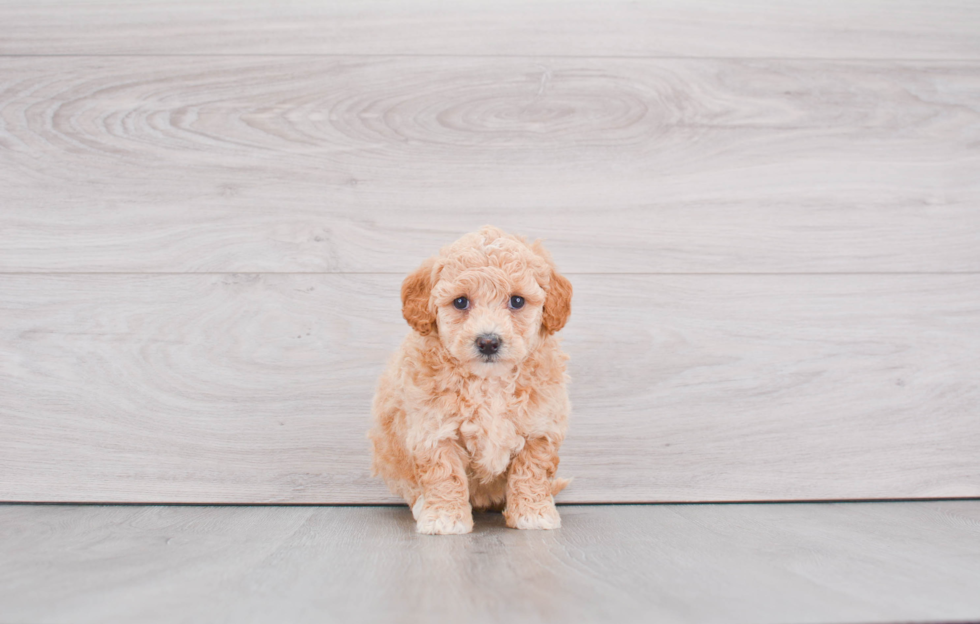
488	344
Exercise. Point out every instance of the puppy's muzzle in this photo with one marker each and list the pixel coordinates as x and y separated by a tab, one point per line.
488	344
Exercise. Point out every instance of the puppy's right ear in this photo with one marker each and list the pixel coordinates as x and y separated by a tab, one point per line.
416	290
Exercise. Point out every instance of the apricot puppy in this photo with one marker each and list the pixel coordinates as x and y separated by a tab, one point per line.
472	408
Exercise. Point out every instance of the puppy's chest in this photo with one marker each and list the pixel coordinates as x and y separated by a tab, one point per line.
491	426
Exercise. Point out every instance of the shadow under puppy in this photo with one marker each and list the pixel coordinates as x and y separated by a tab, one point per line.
472	408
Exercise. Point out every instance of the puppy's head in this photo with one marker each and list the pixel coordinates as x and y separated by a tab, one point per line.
489	297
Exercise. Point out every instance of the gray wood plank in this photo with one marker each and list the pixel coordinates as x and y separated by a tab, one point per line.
256	388
795	563
369	165
795	28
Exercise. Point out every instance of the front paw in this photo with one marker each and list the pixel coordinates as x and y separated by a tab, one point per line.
533	517
442	520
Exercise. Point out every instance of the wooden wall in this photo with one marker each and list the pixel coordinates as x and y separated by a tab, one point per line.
770	214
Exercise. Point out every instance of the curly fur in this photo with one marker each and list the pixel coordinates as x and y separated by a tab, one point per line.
454	432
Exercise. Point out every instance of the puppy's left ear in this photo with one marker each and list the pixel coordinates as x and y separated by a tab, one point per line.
557	303
416	290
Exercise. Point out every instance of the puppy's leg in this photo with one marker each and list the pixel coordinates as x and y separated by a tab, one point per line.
444	506
529	486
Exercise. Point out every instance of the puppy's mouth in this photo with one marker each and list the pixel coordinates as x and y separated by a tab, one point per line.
489	359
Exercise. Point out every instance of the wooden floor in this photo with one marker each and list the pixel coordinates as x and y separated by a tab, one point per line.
768	211
780	563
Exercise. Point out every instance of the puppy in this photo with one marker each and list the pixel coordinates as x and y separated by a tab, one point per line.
472	408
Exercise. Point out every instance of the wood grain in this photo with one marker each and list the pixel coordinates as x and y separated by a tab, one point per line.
769	213
939	29
871	562
256	388
369	165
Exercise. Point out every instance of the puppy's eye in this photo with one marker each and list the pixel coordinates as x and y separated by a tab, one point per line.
517	302
461	303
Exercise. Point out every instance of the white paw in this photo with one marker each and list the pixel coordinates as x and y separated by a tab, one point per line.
544	519
538	521
440	522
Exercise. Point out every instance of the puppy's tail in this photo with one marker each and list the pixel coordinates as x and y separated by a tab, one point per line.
558	484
